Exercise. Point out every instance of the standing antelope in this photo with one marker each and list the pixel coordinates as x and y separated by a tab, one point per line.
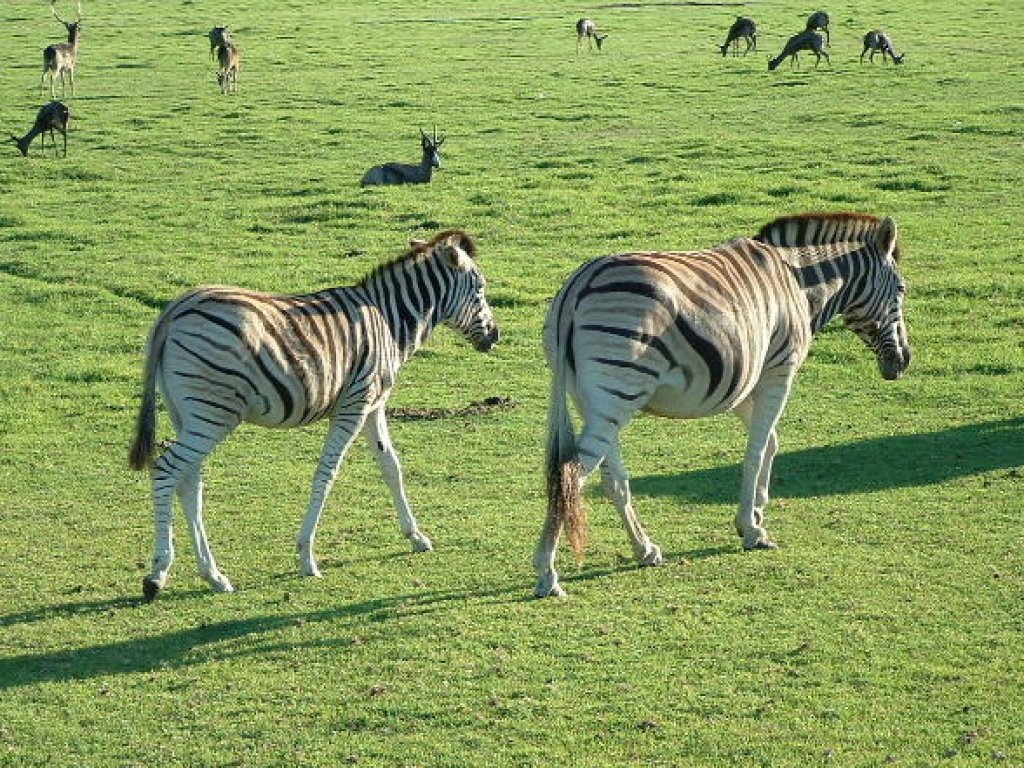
819	20
60	58
229	58
876	41
743	27
585	28
51	117
400	173
805	41
218	37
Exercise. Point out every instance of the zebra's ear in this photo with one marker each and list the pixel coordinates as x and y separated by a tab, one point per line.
455	256
885	236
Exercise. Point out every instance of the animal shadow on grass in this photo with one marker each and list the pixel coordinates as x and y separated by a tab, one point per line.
898	461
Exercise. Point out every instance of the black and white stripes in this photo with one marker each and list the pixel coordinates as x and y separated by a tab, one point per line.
222	356
687	335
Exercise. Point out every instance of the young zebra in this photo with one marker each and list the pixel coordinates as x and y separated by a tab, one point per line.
222	356
687	335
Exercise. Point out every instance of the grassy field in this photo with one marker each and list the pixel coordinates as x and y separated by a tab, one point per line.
888	629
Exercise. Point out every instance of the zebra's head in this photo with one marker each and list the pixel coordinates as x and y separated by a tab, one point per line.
877	313
465	308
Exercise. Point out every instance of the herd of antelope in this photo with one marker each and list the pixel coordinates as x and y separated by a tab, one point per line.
60	59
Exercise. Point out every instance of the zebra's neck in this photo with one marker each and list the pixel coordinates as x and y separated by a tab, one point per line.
404	299
826	276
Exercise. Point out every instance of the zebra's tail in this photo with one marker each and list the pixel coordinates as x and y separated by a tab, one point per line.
141	452
563	469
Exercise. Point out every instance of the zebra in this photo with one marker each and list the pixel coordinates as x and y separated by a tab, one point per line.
688	335
221	356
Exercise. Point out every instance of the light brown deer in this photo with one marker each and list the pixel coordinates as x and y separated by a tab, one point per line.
229	58
51	117
60	58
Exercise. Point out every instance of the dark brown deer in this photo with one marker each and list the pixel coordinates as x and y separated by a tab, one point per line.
805	41
585	28
819	20
876	41
51	117
229	58
218	36
400	173
745	28
60	58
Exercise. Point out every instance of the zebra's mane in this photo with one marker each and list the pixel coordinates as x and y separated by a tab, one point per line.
421	249
820	229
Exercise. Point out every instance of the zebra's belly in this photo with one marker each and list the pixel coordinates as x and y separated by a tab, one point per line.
678	397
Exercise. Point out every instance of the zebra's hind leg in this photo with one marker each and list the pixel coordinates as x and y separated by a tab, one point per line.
616	486
190	493
345	425
376	431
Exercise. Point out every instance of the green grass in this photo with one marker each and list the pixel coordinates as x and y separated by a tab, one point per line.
887	630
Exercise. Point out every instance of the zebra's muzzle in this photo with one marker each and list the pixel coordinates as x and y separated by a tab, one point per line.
487	343
893	363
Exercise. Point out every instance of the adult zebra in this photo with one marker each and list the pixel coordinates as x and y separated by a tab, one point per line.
223	355
686	335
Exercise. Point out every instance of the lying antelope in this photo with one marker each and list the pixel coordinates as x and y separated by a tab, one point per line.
51	117
876	41
743	27
585	28
60	58
819	20
218	36
399	173
229	58
805	41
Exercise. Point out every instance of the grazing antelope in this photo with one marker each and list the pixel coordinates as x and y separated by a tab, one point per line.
218	36
400	173
876	41
585	28
60	58
229	58
51	117
819	20
743	27
805	41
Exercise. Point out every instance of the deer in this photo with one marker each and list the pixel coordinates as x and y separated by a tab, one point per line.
819	20
743	27
51	117
218	37
399	173
807	40
876	41
60	58
229	58
585	28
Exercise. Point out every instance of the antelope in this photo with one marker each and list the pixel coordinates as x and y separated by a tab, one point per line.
585	28
399	173
805	41
876	41
819	20
229	58
51	117
218	37
743	27
61	57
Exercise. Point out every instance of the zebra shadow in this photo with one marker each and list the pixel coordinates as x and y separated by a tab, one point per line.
897	461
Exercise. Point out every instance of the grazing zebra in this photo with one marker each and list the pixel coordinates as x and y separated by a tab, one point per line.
687	335
745	28
222	356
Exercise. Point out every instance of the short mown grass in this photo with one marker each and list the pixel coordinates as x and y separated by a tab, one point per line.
887	629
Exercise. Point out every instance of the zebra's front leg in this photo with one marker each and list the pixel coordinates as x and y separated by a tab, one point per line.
761	414
377	434
616	486
344	427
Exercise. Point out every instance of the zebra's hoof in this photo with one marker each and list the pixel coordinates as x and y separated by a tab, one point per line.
150	589
554	590
762	543
421	543
652	557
